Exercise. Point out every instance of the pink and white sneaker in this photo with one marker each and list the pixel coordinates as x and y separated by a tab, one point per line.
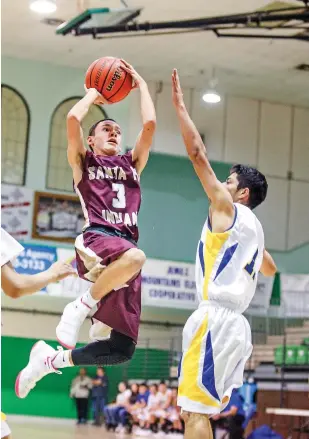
40	364
73	316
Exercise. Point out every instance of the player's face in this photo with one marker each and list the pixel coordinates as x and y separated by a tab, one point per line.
106	139
238	195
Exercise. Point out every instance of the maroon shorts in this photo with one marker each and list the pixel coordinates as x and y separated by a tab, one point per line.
120	309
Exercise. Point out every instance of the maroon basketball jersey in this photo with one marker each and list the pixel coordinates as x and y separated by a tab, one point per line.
110	193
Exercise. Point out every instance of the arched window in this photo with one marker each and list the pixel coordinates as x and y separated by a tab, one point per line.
59	173
15	120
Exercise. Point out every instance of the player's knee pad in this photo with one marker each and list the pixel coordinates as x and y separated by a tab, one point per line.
123	344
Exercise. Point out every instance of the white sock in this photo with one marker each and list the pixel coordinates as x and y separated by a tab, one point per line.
88	300
62	359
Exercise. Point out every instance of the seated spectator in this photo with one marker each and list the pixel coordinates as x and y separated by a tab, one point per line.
147	412
99	395
231	418
114	413
140	402
134	392
80	391
164	397
174	416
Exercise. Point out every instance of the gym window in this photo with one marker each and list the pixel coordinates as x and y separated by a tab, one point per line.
59	173
15	119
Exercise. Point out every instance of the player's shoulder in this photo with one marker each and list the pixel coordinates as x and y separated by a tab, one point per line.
127	156
244	212
248	218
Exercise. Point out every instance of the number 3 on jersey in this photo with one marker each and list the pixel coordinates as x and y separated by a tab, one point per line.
120	200
250	266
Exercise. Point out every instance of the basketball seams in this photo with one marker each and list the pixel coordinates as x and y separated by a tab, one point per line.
94	64
107	75
123	82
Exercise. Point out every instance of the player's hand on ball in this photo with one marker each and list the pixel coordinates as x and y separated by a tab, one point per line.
177	94
100	100
137	79
60	270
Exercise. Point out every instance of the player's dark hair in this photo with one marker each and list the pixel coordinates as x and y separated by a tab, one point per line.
92	129
254	180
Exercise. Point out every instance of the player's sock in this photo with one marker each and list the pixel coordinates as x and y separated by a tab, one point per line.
62	359
88	300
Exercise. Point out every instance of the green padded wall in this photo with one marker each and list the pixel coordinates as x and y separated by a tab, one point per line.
172	196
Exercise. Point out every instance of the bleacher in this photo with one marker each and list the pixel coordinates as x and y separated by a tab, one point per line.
289	349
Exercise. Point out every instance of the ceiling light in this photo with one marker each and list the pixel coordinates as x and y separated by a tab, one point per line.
43	6
211	97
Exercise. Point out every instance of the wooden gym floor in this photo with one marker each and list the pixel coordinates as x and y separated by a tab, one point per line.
24	427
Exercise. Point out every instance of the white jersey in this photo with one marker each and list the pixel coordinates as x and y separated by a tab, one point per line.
10	248
227	264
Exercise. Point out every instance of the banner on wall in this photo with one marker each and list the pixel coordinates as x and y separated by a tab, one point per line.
169	284
37	258
295	295
16	210
261	299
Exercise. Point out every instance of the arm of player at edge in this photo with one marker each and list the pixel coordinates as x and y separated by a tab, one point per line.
16	285
140	152
220	198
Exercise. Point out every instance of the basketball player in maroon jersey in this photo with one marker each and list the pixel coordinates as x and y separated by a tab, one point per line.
108	186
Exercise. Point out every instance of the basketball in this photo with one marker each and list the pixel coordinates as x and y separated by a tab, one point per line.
108	78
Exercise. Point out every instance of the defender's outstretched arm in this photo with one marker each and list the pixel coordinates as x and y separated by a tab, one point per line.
217	193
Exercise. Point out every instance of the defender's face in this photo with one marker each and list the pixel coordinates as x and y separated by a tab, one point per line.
238	195
106	139
231	184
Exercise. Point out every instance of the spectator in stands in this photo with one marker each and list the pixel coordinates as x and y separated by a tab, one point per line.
99	395
232	417
146	413
80	390
174	416
140	402
134	392
113	411
164	401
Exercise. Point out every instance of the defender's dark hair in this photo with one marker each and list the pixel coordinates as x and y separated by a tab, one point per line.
254	180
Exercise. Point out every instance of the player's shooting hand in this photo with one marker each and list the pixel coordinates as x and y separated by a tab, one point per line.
100	100
177	94
137	79
60	270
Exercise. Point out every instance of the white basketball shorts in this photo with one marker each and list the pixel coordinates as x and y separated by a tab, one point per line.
216	346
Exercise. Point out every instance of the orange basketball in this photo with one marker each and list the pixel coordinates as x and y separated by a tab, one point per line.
107	76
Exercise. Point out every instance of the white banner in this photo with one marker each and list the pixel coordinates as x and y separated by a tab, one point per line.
261	299
168	284
16	210
295	295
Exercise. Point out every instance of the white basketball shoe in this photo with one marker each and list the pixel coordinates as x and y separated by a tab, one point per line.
73	316
40	364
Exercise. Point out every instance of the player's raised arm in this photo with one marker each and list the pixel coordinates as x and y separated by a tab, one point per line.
140	152
76	147
217	193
